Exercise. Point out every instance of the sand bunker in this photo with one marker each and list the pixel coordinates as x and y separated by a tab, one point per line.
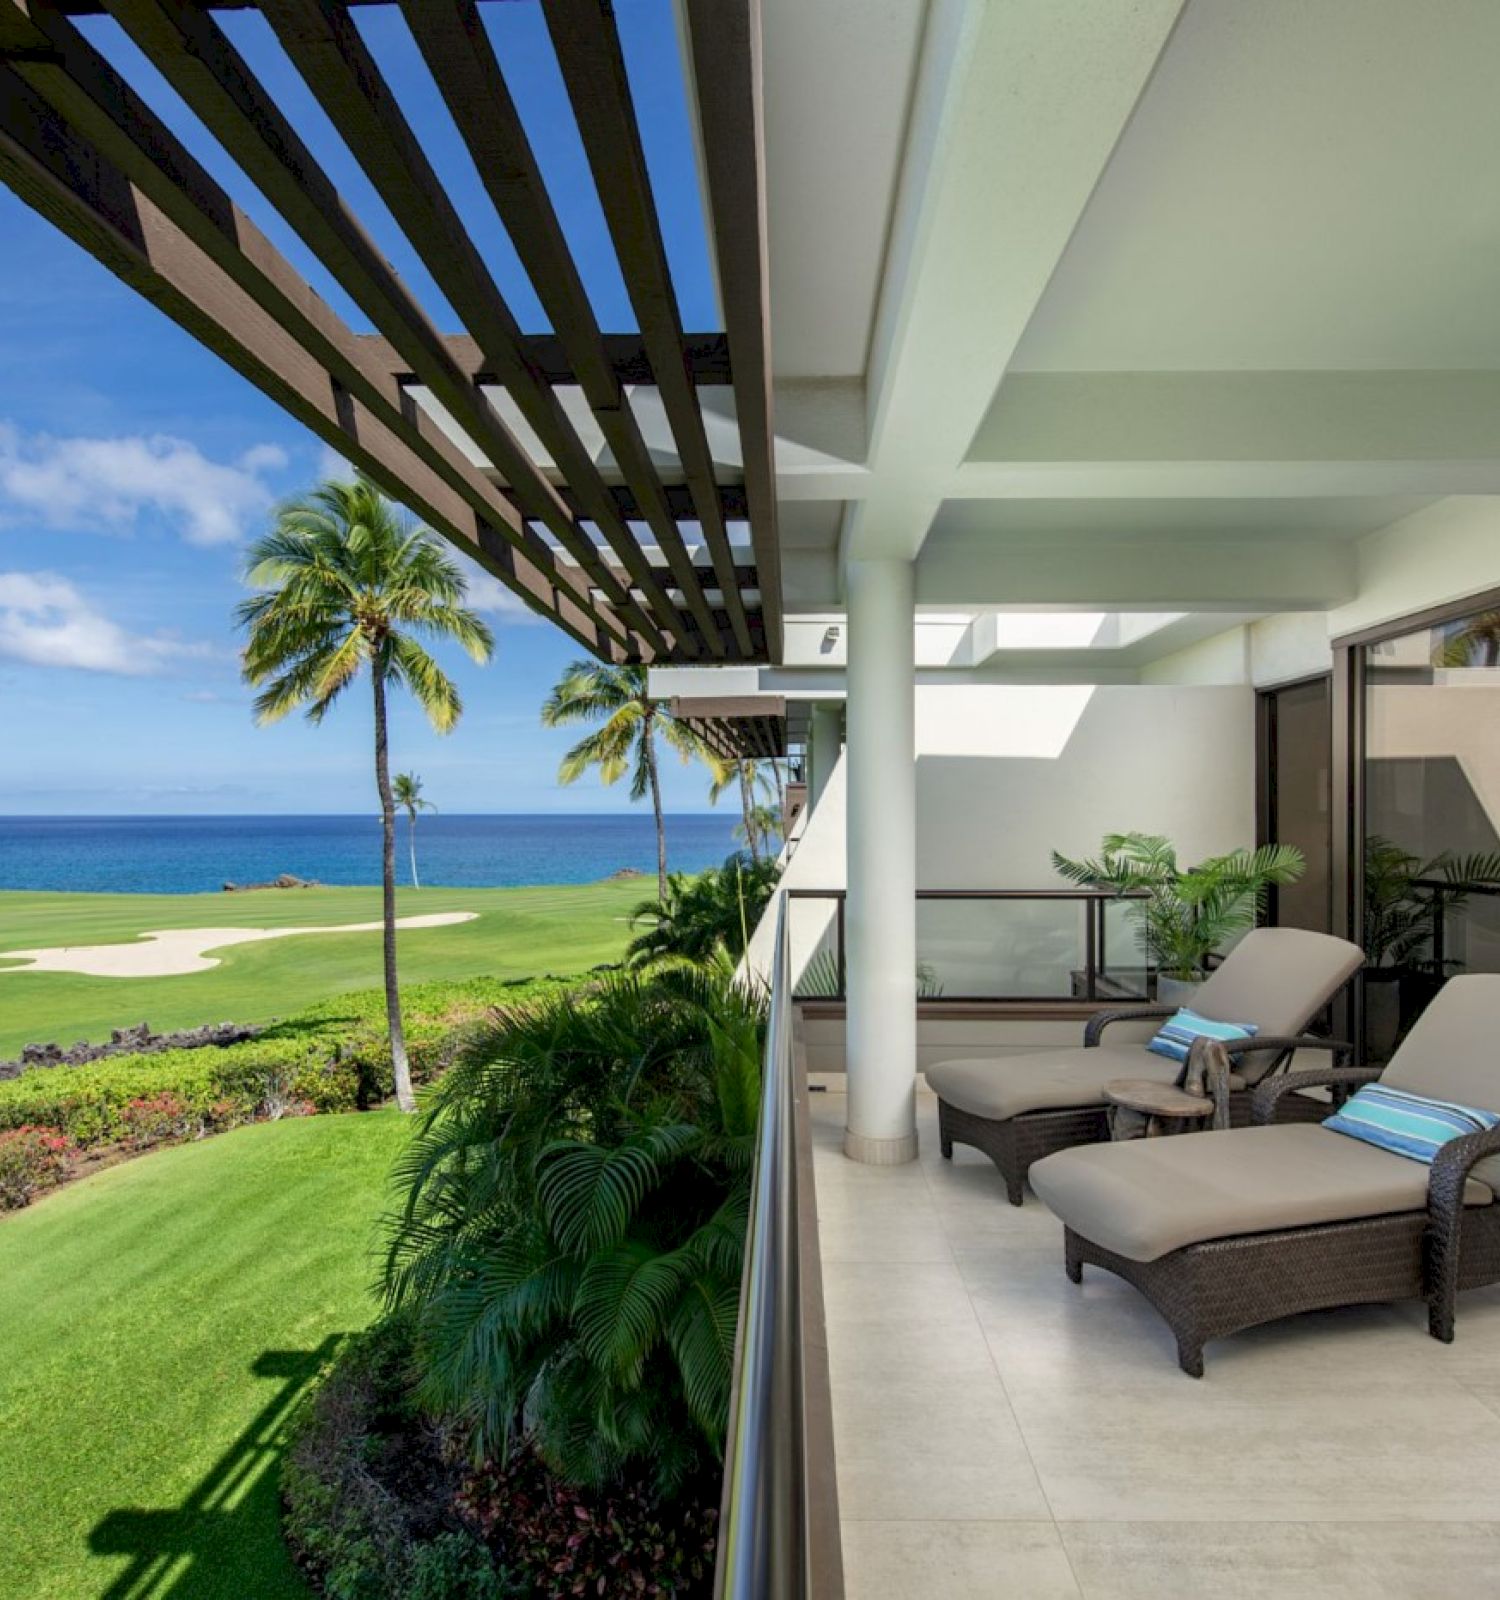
176	950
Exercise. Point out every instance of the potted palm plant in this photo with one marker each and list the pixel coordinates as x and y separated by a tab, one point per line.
1404	898
1184	914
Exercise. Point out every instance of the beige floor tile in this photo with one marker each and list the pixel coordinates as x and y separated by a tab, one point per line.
954	1352
1425	1454
961	1455
956	1561
905	1293
1282	1561
850	1234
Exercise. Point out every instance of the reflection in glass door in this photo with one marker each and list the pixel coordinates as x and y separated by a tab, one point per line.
1431	851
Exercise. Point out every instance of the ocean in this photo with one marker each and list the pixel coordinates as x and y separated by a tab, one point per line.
187	855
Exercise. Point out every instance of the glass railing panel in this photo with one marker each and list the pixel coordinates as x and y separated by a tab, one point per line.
814	959
1124	972
1001	949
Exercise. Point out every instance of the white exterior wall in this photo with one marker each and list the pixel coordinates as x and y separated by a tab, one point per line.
1007	773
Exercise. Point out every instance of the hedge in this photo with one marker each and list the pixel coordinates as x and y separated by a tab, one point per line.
333	1057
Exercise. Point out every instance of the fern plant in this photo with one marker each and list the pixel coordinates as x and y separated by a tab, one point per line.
1184	914
573	1226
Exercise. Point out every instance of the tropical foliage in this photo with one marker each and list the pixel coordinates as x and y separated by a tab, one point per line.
1185	913
629	721
349	585
760	808
573	1226
1400	917
704	913
406	789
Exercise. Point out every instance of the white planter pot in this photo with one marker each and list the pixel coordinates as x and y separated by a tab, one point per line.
1178	991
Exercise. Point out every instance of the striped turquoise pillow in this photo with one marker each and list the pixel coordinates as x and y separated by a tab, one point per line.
1406	1124
1176	1037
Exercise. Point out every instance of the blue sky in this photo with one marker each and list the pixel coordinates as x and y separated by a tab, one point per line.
134	466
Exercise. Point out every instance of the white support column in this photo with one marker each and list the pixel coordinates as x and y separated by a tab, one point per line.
881	929
825	734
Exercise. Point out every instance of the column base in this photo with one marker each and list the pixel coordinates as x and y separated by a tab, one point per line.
880	1152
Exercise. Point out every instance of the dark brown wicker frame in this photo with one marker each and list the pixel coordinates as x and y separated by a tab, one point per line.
1014	1143
1225	1285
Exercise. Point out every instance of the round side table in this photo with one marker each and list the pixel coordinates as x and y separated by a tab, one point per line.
1166	1109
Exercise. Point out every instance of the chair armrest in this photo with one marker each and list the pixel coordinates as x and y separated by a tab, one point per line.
1269	1095
1286	1043
1100	1020
1445	1210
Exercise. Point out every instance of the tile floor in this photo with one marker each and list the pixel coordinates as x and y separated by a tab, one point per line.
1002	1432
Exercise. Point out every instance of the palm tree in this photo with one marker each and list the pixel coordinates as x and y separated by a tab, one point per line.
1476	643
406	787
755	788
616	697
348	582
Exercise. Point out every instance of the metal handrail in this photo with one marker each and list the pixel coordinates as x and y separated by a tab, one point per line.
764	1546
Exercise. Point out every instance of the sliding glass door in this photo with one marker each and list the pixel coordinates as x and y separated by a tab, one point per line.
1430	851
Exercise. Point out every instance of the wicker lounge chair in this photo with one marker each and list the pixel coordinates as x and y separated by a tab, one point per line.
1018	1109
1223	1231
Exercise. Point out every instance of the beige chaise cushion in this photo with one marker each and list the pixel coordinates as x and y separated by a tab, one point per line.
999	1087
1149	1197
1277	978
1453	1052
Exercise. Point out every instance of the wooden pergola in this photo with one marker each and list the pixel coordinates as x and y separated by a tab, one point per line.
737	727
627	547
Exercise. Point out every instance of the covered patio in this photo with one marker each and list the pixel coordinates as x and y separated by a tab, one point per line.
1000	1431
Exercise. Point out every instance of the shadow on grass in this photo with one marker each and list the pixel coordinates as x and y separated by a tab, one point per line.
224	1540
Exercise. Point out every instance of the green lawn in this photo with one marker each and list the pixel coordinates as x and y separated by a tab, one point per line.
518	933
157	1321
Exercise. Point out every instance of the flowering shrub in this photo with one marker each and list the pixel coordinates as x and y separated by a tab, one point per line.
31	1159
553	1539
157	1118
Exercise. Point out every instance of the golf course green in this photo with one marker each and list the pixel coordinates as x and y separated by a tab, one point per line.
514	933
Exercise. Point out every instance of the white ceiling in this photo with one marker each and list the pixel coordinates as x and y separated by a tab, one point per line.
838	78
1071	300
1172	521
1305	184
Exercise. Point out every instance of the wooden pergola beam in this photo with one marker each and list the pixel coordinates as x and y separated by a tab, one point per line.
187	46
458	51
74	184
707	358
85	91
569	532
593	68
724	51
324	44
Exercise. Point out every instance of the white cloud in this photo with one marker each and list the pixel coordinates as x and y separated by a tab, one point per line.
46	622
110	484
487	593
332	465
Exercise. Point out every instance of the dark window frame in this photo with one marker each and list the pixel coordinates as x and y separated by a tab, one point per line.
1267	712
